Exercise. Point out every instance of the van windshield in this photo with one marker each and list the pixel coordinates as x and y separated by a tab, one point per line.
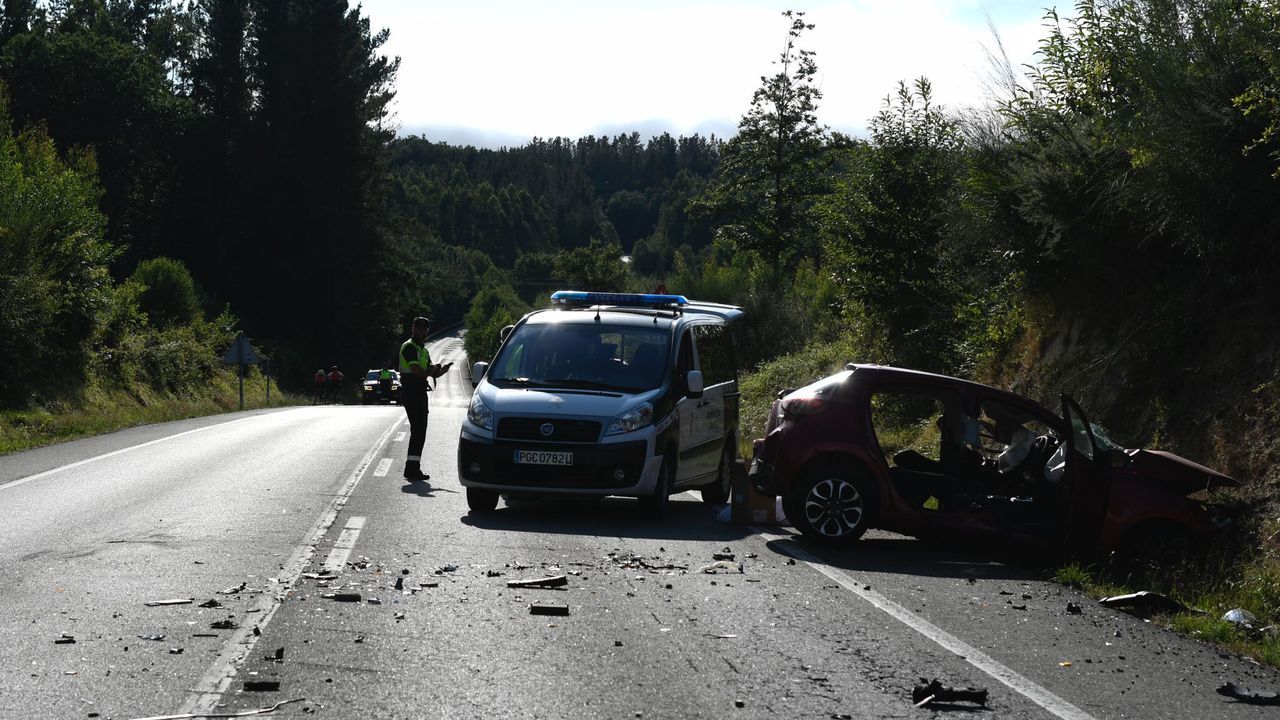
623	358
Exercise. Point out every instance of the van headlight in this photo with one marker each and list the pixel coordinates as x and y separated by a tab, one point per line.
479	413
633	419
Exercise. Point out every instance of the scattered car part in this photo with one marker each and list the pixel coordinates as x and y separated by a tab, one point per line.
1251	697
934	691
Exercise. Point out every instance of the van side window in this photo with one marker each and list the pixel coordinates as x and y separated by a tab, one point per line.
684	361
715	354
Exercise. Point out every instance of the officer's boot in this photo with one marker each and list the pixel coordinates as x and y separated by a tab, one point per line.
413	471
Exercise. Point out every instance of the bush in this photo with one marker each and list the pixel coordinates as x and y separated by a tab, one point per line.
495	306
168	294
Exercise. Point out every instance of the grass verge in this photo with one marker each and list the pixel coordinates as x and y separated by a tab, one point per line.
102	411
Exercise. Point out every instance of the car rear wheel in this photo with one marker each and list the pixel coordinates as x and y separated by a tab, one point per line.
718	492
655	505
832	506
480	500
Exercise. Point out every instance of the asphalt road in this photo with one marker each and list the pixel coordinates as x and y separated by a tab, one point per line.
248	510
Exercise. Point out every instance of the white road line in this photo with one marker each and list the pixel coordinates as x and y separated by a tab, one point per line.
399	437
383	466
86	461
975	657
208	691
342	547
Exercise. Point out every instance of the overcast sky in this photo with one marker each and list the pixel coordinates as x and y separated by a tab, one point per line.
499	72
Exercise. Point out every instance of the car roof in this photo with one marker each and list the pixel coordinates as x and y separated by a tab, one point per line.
888	374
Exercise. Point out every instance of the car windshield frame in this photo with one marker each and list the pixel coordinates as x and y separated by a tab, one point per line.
609	357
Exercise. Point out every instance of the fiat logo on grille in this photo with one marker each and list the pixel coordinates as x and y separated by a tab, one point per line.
547	429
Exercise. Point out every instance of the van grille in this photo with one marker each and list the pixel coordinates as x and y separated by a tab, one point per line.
563	429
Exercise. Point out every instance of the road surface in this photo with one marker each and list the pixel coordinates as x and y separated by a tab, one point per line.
265	520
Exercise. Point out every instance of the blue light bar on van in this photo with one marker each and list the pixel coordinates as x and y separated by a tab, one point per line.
580	299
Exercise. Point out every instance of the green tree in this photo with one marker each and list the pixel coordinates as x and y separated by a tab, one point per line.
772	172
494	307
53	265
597	267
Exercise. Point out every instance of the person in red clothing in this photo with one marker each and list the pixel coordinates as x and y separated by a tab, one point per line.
335	383
318	388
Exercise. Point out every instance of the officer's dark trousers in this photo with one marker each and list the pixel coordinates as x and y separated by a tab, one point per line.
415	406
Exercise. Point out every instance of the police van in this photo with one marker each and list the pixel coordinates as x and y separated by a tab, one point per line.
606	394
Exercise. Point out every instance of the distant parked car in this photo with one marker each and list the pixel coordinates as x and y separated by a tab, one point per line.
376	390
935	456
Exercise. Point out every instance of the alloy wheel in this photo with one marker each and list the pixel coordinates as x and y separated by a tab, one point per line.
834	507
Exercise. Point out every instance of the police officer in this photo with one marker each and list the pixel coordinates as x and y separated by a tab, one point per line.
415	368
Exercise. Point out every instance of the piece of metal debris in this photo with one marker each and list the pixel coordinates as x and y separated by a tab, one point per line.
718	565
222	625
722	556
342	597
210	604
542	582
1240	618
65	640
242	713
934	691
153	638
547	608
1074	609
261	685
175	651
1143	601
173	601
1251	697
234	590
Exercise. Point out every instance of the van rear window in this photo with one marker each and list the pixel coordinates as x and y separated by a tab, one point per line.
623	358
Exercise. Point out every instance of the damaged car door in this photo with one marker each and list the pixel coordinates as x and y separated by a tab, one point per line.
1086	490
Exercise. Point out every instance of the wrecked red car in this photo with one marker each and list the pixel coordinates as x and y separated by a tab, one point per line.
934	456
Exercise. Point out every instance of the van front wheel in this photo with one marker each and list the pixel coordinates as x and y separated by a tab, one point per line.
480	500
655	505
718	492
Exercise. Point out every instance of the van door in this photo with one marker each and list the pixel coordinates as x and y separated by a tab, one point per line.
687	412
714	352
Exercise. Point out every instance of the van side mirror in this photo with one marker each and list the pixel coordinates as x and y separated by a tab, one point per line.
505	331
477	372
693	382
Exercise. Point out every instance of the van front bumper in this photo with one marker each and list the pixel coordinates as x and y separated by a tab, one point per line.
624	468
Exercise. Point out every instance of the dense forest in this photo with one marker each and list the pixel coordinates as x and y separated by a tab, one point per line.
1104	225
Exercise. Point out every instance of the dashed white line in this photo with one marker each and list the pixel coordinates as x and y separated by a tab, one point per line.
343	546
383	466
975	657
208	691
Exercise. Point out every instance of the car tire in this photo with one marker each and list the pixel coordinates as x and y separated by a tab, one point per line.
717	493
832	505
656	504
481	501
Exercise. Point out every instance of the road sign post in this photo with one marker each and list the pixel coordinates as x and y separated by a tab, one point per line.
241	354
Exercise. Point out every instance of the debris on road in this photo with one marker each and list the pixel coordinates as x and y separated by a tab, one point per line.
1245	695
242	713
934	691
493	573
233	590
174	601
547	608
725	555
175	651
261	685
227	624
1143	601
210	604
725	565
153	638
1074	609
374	601
65	640
342	597
400	583
276	657
446	569
552	581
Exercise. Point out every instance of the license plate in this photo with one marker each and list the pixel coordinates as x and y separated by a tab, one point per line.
543	457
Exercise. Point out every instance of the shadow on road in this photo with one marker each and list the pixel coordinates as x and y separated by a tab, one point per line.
422	489
908	556
610	517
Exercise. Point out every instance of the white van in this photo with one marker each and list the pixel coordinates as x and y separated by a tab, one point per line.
606	394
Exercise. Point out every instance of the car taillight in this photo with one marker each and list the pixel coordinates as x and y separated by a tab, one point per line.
805	405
